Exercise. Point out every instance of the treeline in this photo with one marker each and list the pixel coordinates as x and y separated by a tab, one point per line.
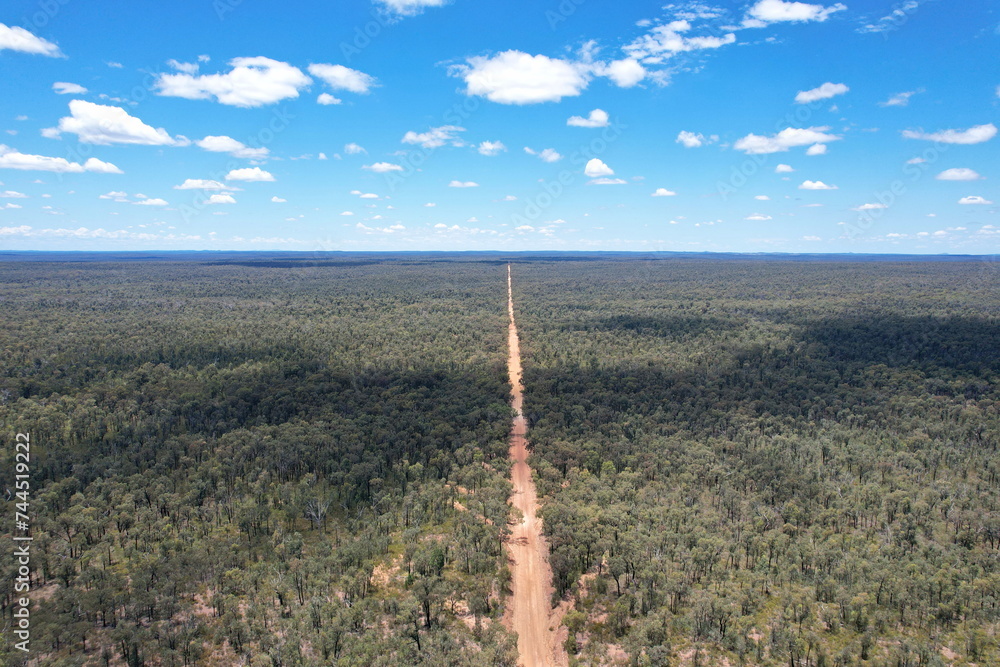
260	465
768	464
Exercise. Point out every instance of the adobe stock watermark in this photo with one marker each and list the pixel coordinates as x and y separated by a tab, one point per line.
416	158
741	174
913	171
278	123
22	542
562	13
365	35
552	190
41	17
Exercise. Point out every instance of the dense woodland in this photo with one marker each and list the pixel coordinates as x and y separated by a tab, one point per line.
260	464
742	462
770	463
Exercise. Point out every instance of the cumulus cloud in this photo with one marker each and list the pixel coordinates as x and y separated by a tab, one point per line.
382	167
515	77
596	168
546	154
958	174
151	202
626	72
816	185
974	135
777	11
101	167
278	200
16	38
13	159
100	124
353	149
491	148
201	184
249	174
435	137
783	169
224	144
824	92
223	198
762	198
597	118
790	137
816	149
690	139
338	77
12	194
326	99
65	88
663	192
463	184
252	82
664	41
608	181
974	199
758	216
869	207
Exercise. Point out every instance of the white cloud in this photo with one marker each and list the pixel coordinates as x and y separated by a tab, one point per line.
958	174
775	11
353	149
515	77
366	195
347	213
100	124
811	238
201	184
625	73
435	137
151	202
278	200
790	137
974	199
64	88
783	169
322	156
899	99
758	217
974	135
816	149
12	194
816	185
116	195
326	99
382	167
463	184
187	68
762	198
666	40
338	77
221	199
597	118
596	168
663	192
101	167
430	204
12	159
916	160
252	82
410	7
249	174
546	154
224	144
12	205
824	92
491	148
16	38
690	139
509	198
608	181
869	207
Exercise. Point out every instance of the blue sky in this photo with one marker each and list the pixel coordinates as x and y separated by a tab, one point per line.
754	126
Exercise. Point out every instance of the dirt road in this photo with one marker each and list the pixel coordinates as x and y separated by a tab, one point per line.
530	613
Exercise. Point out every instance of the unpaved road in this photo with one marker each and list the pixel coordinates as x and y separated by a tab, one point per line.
529	614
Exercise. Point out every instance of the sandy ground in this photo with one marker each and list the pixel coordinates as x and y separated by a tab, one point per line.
530	613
